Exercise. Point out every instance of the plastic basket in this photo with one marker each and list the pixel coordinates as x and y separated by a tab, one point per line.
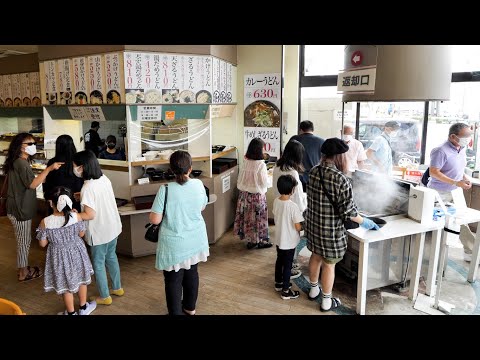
9	308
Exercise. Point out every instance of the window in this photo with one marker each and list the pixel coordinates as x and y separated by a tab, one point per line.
465	58
323	59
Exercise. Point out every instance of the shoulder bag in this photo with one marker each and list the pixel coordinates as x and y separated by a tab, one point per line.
153	230
3	198
349	224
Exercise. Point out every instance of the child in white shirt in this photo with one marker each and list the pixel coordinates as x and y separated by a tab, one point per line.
287	217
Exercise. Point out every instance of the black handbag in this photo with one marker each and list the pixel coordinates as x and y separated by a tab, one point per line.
153	230
348	224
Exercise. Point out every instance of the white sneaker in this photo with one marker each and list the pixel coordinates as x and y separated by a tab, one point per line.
467	257
92	305
66	313
295	274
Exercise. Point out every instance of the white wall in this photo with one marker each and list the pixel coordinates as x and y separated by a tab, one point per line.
290	92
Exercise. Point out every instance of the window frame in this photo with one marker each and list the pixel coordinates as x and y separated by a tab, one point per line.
331	80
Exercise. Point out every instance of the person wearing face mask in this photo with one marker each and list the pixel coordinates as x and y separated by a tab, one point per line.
111	152
380	152
22	198
447	172
356	153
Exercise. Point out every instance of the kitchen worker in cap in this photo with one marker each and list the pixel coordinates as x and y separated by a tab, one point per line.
356	153
380	152
324	222
92	139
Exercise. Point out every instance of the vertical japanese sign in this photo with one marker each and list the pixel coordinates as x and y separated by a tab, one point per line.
65	86
152	78
216	80
17	100
134	78
112	77
35	91
2	98
229	83
222	87
97	87
262	113
25	89
51	84
7	90
80	80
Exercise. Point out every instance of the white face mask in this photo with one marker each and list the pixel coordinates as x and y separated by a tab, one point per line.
393	134
31	150
347	138
77	173
463	141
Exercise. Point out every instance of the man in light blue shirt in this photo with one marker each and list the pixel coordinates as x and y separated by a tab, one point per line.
380	152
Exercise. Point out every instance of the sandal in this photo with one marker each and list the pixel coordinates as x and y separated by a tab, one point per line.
251	245
264	245
335	303
33	273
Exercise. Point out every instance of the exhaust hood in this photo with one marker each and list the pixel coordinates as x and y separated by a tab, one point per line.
403	72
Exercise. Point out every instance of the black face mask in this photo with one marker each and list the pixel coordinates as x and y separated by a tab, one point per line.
111	145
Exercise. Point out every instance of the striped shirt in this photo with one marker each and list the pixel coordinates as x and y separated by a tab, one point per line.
324	229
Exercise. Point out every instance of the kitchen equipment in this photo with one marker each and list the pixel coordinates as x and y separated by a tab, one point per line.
421	204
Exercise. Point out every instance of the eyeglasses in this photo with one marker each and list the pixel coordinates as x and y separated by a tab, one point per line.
30	143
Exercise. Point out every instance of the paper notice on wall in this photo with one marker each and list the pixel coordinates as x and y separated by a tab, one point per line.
17	101
7	90
84	113
149	113
216	80
80	80
113	78
35	88
270	136
226	184
51	82
97	87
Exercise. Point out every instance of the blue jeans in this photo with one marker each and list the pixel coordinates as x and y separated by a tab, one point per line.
105	255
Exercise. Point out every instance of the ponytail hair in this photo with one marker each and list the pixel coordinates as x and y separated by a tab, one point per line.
180	164
62	200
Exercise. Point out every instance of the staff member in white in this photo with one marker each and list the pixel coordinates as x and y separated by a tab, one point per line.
100	209
356	153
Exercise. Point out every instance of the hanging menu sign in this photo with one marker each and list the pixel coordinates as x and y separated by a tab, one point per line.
80	80
216	80
17	101
7	90
151	80
35	88
25	90
134	88
262	95
203	69
95	71
112	75
2	98
222	87
65	71
51	85
229	84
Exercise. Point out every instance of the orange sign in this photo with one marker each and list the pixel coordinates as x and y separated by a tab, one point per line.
169	115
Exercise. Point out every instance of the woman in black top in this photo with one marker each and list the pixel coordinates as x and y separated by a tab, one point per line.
64	151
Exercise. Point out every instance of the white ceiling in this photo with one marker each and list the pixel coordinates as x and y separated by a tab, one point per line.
8	50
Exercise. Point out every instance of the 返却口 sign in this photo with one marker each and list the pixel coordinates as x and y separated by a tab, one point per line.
358	80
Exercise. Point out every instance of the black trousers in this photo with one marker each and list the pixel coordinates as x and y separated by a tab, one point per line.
283	266
175	283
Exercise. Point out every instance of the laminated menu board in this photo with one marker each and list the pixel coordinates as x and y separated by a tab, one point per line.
80	80
51	84
95	71
65	81
7	90
25	90
2	98
113	78
17	100
35	92
134	85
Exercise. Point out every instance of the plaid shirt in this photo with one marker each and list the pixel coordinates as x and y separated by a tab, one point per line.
324	230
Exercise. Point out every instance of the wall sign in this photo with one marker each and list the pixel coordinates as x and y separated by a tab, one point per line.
262	113
149	113
84	113
359	80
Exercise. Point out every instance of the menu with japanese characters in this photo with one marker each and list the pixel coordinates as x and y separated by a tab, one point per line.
51	84
65	81
95	72
17	101
113	78
35	92
262	111
152	78
216	80
7	90
2	98
81	80
134	78
25	90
